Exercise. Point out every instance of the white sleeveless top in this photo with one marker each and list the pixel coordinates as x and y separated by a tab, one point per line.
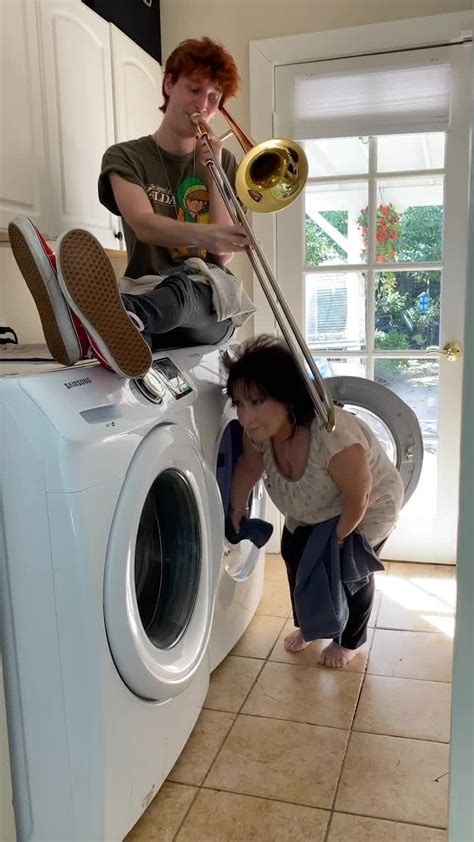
315	497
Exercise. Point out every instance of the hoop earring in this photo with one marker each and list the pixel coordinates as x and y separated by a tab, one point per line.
291	418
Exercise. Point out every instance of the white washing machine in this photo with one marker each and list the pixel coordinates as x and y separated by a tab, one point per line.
111	548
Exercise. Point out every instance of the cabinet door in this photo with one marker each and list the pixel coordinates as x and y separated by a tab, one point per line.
23	186
79	109
137	82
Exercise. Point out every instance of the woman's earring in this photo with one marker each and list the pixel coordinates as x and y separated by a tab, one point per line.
291	418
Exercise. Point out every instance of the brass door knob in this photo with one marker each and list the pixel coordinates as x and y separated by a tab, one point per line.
452	351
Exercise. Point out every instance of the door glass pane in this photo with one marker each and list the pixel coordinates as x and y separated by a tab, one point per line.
332	230
416	382
410	152
341	366
380	429
407	307
337	156
335	311
409	220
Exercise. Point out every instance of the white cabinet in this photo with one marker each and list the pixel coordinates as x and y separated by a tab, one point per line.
137	80
72	85
79	113
23	182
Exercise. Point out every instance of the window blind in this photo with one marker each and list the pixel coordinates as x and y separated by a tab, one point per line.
376	101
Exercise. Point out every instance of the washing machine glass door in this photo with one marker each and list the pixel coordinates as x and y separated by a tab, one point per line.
394	423
162	566
239	560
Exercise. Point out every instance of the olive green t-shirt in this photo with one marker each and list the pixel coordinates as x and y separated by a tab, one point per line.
177	187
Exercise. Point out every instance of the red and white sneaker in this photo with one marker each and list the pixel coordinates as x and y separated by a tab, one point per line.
87	280
65	335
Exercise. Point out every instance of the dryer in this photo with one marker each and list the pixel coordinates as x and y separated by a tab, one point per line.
111	547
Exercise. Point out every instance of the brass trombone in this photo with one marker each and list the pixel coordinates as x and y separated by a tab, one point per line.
271	175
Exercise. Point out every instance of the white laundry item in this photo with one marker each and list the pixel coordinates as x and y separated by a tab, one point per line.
228	295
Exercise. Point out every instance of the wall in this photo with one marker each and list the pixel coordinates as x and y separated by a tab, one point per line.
461	819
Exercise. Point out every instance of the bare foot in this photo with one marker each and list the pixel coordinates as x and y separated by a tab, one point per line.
295	642
337	656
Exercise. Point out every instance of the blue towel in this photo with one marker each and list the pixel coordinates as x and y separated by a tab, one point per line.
253	529
324	569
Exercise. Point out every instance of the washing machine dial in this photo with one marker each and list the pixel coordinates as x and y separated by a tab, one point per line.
150	386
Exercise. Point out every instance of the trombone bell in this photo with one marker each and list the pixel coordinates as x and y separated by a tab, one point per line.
271	175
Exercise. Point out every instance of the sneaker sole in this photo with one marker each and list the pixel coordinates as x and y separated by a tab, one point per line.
58	331
88	282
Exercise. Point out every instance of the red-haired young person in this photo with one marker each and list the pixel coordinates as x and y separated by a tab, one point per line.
176	291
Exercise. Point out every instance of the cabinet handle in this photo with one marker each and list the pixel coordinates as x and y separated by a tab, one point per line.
118	235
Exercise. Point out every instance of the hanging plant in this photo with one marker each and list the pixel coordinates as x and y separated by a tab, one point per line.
387	231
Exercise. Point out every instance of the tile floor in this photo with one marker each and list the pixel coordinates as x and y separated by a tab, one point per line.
288	750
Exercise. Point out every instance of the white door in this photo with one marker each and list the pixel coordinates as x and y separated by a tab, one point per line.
79	109
372	258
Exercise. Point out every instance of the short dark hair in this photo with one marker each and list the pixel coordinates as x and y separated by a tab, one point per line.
207	59
267	365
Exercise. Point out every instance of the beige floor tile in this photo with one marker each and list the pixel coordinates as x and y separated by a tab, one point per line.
226	817
412	570
163	817
403	654
260	636
275	570
395	778
404	707
345	828
418	597
375	609
276	600
380	576
231	682
200	750
286	761
305	694
309	656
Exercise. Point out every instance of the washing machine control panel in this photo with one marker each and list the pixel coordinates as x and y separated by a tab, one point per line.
177	383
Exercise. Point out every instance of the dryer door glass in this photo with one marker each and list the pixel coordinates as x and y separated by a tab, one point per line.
167	559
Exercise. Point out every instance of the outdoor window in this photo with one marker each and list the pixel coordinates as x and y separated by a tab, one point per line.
373	266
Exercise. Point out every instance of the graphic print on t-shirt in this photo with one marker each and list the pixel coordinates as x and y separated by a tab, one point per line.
192	201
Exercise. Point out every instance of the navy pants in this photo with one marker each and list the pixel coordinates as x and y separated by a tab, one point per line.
360	603
178	313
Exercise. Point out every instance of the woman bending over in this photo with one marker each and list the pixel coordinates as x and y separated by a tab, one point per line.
311	475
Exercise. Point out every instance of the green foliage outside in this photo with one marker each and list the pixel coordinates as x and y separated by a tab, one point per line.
412	236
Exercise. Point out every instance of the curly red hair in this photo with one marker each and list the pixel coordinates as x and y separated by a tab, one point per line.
204	58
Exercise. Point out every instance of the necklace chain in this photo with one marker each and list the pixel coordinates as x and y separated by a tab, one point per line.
173	191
